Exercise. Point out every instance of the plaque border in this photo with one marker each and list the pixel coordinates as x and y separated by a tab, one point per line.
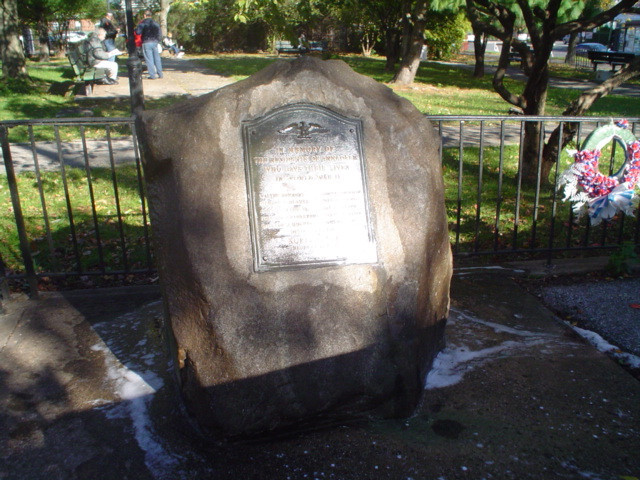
260	266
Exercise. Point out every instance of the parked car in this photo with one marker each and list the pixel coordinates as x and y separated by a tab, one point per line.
583	49
74	37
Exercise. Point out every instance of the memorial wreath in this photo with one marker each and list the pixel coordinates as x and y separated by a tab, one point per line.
602	196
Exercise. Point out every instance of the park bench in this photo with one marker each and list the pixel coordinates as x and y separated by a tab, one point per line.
285	46
85	76
317	47
612	58
514	55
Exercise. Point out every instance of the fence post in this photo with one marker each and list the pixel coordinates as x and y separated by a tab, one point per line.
134	66
17	212
4	285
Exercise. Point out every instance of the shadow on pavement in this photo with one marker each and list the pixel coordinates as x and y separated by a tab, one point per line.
86	392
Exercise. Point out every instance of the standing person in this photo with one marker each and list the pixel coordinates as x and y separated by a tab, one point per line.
112	33
151	36
98	56
303	45
27	41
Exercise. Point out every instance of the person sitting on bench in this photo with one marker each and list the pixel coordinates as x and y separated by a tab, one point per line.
98	56
169	43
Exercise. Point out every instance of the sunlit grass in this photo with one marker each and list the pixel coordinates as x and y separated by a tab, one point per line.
439	89
58	252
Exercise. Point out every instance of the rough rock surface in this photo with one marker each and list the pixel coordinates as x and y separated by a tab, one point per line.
258	351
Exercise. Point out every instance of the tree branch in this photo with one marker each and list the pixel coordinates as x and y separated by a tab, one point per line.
507	21
588	97
530	22
580	25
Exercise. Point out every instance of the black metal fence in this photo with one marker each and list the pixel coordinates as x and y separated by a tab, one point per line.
73	201
73	204
494	212
581	60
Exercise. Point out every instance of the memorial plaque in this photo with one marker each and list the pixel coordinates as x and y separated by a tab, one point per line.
307	189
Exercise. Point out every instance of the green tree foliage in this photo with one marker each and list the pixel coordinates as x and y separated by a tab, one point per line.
398	25
444	33
415	21
40	14
285	18
183	22
214	26
368	21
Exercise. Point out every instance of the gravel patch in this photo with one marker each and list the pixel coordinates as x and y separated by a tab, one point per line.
609	308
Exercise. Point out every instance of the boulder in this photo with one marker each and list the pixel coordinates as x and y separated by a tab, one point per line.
301	239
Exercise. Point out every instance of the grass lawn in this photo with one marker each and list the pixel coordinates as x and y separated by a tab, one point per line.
440	89
104	232
484	221
484	211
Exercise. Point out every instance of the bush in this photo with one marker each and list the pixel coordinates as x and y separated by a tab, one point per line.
623	260
445	33
204	27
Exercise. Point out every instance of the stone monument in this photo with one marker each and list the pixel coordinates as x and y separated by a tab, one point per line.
301	240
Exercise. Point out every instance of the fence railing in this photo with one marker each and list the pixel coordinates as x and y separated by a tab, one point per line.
77	205
581	60
494	211
73	204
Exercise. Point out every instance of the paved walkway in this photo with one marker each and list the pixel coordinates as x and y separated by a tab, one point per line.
186	77
181	76
85	393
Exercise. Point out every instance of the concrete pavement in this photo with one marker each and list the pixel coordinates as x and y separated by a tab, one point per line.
181	76
86	393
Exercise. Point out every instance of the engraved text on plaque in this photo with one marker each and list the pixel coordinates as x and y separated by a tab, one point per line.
307	189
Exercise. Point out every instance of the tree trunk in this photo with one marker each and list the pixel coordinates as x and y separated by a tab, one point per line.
571	48
479	51
367	45
409	66
43	40
11	53
413	41
535	99
392	49
165	5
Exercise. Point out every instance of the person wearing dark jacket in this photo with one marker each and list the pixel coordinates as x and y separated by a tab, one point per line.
112	33
98	55
151	37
